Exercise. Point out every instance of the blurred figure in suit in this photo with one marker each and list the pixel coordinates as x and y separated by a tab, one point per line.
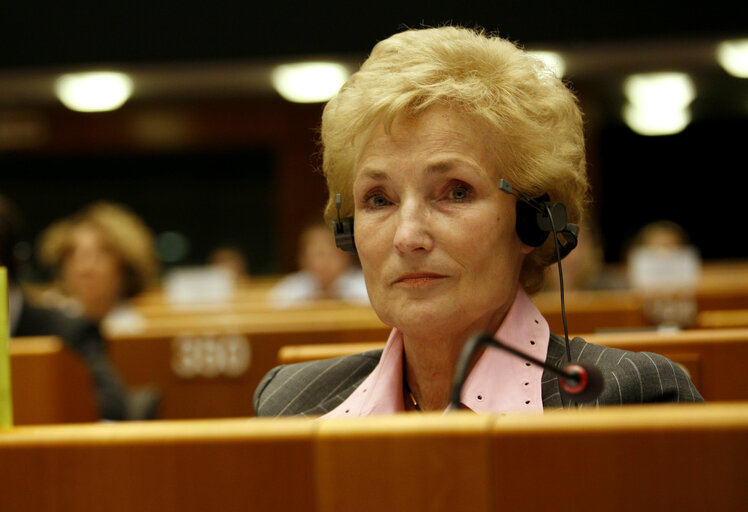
102	256
325	272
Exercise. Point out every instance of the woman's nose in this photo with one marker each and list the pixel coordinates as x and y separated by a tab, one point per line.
413	232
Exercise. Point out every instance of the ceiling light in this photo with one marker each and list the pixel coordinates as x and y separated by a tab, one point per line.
663	90
652	121
658	102
733	56
309	82
96	91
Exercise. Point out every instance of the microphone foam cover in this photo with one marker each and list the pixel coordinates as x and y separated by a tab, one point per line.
588	386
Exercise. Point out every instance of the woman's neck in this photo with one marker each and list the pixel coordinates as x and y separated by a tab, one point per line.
430	361
428	369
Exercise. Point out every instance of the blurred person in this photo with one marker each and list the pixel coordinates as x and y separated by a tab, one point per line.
114	401
664	267
660	234
324	272
102	256
415	145
232	259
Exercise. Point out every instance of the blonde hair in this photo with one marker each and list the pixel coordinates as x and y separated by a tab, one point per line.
127	235
535	118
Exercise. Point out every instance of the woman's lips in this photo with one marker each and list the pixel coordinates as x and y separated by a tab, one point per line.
418	279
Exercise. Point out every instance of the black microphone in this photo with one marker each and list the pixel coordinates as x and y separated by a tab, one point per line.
580	382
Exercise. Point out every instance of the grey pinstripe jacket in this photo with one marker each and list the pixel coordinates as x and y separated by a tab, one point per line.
317	387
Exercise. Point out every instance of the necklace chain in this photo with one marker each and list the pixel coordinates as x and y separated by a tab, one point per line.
413	398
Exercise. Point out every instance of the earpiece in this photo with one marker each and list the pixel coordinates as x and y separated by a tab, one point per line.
343	230
538	217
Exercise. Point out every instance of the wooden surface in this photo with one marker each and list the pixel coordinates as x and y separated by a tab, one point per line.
720	319
715	359
209	367
50	384
678	457
723	286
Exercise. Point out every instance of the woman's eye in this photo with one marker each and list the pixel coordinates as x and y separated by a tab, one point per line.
376	201
459	193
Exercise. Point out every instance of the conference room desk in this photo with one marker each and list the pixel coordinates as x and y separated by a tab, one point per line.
586	310
49	383
208	365
670	457
721	319
595	310
714	358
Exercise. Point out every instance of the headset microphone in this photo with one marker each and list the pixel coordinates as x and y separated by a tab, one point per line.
580	382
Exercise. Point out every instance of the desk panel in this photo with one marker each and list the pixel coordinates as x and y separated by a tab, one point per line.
49	383
210	369
673	457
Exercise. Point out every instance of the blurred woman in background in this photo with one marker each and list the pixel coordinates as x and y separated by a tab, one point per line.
102	256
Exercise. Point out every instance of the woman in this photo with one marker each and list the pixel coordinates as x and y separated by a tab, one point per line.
103	256
415	143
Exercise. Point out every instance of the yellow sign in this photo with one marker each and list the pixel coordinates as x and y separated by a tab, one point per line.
6	399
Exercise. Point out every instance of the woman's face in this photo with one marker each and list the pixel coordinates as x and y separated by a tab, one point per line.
435	235
92	272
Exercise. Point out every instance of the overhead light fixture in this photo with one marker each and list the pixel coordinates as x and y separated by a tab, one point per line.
309	82
553	60
659	103
733	57
95	91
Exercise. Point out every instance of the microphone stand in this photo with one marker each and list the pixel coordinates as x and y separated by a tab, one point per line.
580	382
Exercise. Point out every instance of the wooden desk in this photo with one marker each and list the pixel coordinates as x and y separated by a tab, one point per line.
723	285
209	366
715	358
721	319
677	457
49	383
589	311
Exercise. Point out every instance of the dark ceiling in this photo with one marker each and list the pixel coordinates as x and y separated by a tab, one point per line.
58	33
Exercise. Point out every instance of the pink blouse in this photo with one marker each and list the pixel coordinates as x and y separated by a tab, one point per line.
498	383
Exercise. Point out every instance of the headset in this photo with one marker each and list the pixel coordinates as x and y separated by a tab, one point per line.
536	219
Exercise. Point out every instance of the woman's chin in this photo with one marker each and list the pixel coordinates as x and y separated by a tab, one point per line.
421	319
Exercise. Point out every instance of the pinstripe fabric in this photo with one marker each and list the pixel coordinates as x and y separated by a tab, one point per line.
312	388
317	387
630	377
